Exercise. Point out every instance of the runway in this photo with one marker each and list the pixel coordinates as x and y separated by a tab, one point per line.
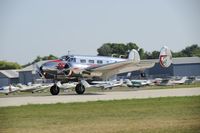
103	96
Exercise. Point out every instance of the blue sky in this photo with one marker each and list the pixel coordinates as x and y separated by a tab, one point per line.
29	28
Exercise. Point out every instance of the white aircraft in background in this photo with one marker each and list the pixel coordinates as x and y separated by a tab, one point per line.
102	84
81	68
166	82
9	89
138	83
28	88
24	88
181	81
33	87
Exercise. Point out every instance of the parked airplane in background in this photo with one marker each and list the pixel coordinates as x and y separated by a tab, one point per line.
81	68
180	81
9	89
138	83
102	84
23	88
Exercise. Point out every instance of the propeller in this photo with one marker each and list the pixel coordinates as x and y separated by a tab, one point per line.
38	70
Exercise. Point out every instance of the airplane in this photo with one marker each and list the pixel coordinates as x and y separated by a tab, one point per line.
102	84
82	68
28	88
138	83
166	82
33	87
9	89
181	81
23	88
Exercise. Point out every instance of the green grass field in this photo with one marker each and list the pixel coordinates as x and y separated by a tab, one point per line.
175	114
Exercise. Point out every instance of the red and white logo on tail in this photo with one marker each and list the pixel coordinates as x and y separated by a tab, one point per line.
165	57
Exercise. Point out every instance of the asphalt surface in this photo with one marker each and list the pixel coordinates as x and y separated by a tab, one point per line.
103	96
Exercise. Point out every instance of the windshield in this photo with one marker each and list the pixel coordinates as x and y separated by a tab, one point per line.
68	59
65	58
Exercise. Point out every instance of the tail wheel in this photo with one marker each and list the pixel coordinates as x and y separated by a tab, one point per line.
54	90
80	89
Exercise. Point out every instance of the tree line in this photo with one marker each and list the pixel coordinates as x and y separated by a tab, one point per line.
112	49
4	65
108	49
39	58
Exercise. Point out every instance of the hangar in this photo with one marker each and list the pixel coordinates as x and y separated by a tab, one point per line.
186	66
8	77
23	76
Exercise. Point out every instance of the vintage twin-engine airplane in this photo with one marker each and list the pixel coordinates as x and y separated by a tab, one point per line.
79	68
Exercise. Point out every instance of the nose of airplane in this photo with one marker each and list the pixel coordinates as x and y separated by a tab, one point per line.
53	67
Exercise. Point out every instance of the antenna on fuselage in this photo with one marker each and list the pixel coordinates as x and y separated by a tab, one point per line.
68	52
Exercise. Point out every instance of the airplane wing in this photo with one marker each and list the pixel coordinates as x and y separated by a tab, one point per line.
108	70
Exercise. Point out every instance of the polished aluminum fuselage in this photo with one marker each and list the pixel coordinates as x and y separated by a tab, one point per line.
71	67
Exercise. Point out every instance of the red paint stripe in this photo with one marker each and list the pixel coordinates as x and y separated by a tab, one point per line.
161	60
56	61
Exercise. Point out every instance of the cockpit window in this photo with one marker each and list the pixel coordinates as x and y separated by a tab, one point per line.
65	58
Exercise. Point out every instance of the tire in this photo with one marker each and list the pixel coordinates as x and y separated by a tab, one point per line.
110	88
80	89
54	90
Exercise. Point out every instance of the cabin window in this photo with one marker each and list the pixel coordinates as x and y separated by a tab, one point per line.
83	61
99	62
72	60
91	61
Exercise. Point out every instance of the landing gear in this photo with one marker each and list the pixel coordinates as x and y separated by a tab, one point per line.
54	90
80	89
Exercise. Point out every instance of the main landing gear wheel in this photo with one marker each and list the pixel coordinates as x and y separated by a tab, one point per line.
54	89
80	89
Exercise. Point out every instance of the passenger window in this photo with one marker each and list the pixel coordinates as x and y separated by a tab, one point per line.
83	61
91	61
99	62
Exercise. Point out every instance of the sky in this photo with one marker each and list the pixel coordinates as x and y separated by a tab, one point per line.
30	28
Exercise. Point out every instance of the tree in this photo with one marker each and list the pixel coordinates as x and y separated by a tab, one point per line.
108	49
193	50
142	54
119	48
38	58
4	65
131	45
105	50
155	54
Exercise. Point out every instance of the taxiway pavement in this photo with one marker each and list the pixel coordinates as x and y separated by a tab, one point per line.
102	96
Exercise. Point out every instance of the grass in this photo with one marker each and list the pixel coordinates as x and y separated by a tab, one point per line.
175	114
